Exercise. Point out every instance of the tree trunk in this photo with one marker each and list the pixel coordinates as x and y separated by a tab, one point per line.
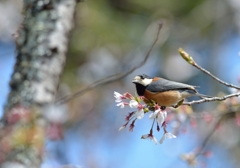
42	44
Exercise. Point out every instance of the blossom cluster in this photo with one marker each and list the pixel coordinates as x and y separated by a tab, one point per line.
157	114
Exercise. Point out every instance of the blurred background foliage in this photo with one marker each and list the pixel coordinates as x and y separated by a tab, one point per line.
111	36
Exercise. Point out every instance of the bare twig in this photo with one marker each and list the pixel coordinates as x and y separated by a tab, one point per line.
211	99
110	78
220	117
214	77
190	60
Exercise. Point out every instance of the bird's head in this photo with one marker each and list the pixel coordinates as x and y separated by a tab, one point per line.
142	80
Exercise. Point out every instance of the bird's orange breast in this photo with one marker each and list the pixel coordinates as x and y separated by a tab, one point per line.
167	98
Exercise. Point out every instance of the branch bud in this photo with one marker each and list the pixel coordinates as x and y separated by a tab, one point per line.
186	56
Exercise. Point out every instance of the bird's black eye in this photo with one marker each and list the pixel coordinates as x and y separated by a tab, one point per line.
143	76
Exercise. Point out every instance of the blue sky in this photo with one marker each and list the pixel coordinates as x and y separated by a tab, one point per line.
7	59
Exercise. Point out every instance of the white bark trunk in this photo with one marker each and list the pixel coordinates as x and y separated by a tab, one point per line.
41	53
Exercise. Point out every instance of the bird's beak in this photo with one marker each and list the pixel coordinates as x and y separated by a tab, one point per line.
135	81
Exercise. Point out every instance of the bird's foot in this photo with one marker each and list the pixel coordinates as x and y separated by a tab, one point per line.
163	107
178	104
151	108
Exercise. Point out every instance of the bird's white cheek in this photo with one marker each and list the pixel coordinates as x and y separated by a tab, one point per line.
146	81
184	94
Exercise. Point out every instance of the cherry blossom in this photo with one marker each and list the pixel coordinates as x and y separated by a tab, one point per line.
167	135
151	137
140	112
159	115
119	97
122	104
133	104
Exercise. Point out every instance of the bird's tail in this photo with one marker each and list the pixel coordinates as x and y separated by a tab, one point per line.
202	95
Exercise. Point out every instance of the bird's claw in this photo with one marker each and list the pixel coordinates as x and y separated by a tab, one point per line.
178	104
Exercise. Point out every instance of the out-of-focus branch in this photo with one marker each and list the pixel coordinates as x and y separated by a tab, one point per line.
190	60
221	117
111	78
206	139
192	156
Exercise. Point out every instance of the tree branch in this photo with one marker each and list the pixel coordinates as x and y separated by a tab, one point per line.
190	60
211	99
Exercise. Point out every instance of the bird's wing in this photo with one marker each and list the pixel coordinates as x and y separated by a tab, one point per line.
163	85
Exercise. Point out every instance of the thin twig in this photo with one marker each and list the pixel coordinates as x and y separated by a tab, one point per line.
211	99
190	60
214	77
110	78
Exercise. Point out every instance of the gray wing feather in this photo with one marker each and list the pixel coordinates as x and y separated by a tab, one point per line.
163	85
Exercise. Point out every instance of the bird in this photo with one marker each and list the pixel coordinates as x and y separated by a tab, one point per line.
164	92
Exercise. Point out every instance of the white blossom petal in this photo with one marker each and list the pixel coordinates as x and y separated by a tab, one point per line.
161	117
151	137
139	114
167	135
122	127
133	104
121	105
162	139
154	114
164	114
118	100
118	96
144	136
154	140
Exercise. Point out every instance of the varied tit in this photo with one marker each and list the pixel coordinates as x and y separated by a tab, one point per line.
163	92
